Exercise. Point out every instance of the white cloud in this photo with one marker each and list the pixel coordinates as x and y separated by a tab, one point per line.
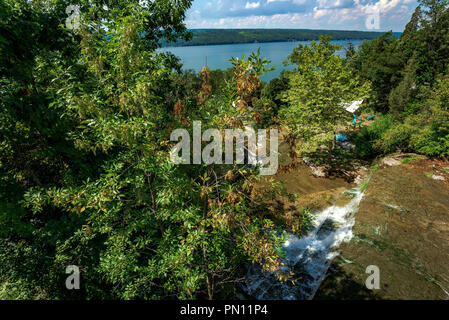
252	5
299	1
301	14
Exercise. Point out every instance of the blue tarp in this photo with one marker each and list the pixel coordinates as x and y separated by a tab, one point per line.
342	138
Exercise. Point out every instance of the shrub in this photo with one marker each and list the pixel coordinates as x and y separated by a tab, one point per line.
395	139
429	142
432	139
366	138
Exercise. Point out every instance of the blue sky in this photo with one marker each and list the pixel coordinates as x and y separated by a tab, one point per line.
301	14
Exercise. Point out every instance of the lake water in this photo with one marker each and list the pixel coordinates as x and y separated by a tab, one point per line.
218	56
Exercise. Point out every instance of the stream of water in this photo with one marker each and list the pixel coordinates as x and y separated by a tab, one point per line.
308	257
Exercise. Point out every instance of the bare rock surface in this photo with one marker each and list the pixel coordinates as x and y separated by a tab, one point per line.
438	178
403	228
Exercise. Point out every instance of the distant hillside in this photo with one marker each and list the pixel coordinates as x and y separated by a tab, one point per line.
231	36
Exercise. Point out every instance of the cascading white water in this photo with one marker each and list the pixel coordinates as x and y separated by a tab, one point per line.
308	257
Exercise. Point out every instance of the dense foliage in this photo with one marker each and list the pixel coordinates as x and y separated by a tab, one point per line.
86	176
85	123
409	82
320	86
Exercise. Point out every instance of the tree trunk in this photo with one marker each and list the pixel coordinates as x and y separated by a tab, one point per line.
154	205
329	155
209	278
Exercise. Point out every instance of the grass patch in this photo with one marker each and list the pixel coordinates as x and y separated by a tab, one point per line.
371	242
410	159
429	175
364	185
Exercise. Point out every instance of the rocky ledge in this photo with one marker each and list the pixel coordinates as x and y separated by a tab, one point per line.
402	227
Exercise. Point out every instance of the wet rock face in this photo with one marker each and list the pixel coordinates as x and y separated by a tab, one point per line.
403	228
398	159
391	162
307	258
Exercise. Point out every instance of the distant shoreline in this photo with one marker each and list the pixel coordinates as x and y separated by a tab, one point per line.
209	37
255	42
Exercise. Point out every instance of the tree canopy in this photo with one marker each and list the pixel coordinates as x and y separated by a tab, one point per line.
320	88
86	178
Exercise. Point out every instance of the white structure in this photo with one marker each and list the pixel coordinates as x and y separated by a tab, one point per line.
355	105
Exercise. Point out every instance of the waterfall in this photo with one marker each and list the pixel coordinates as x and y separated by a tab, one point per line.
308	257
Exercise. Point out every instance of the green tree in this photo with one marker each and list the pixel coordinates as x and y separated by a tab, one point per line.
379	62
320	86
275	88
401	95
90	119
433	137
